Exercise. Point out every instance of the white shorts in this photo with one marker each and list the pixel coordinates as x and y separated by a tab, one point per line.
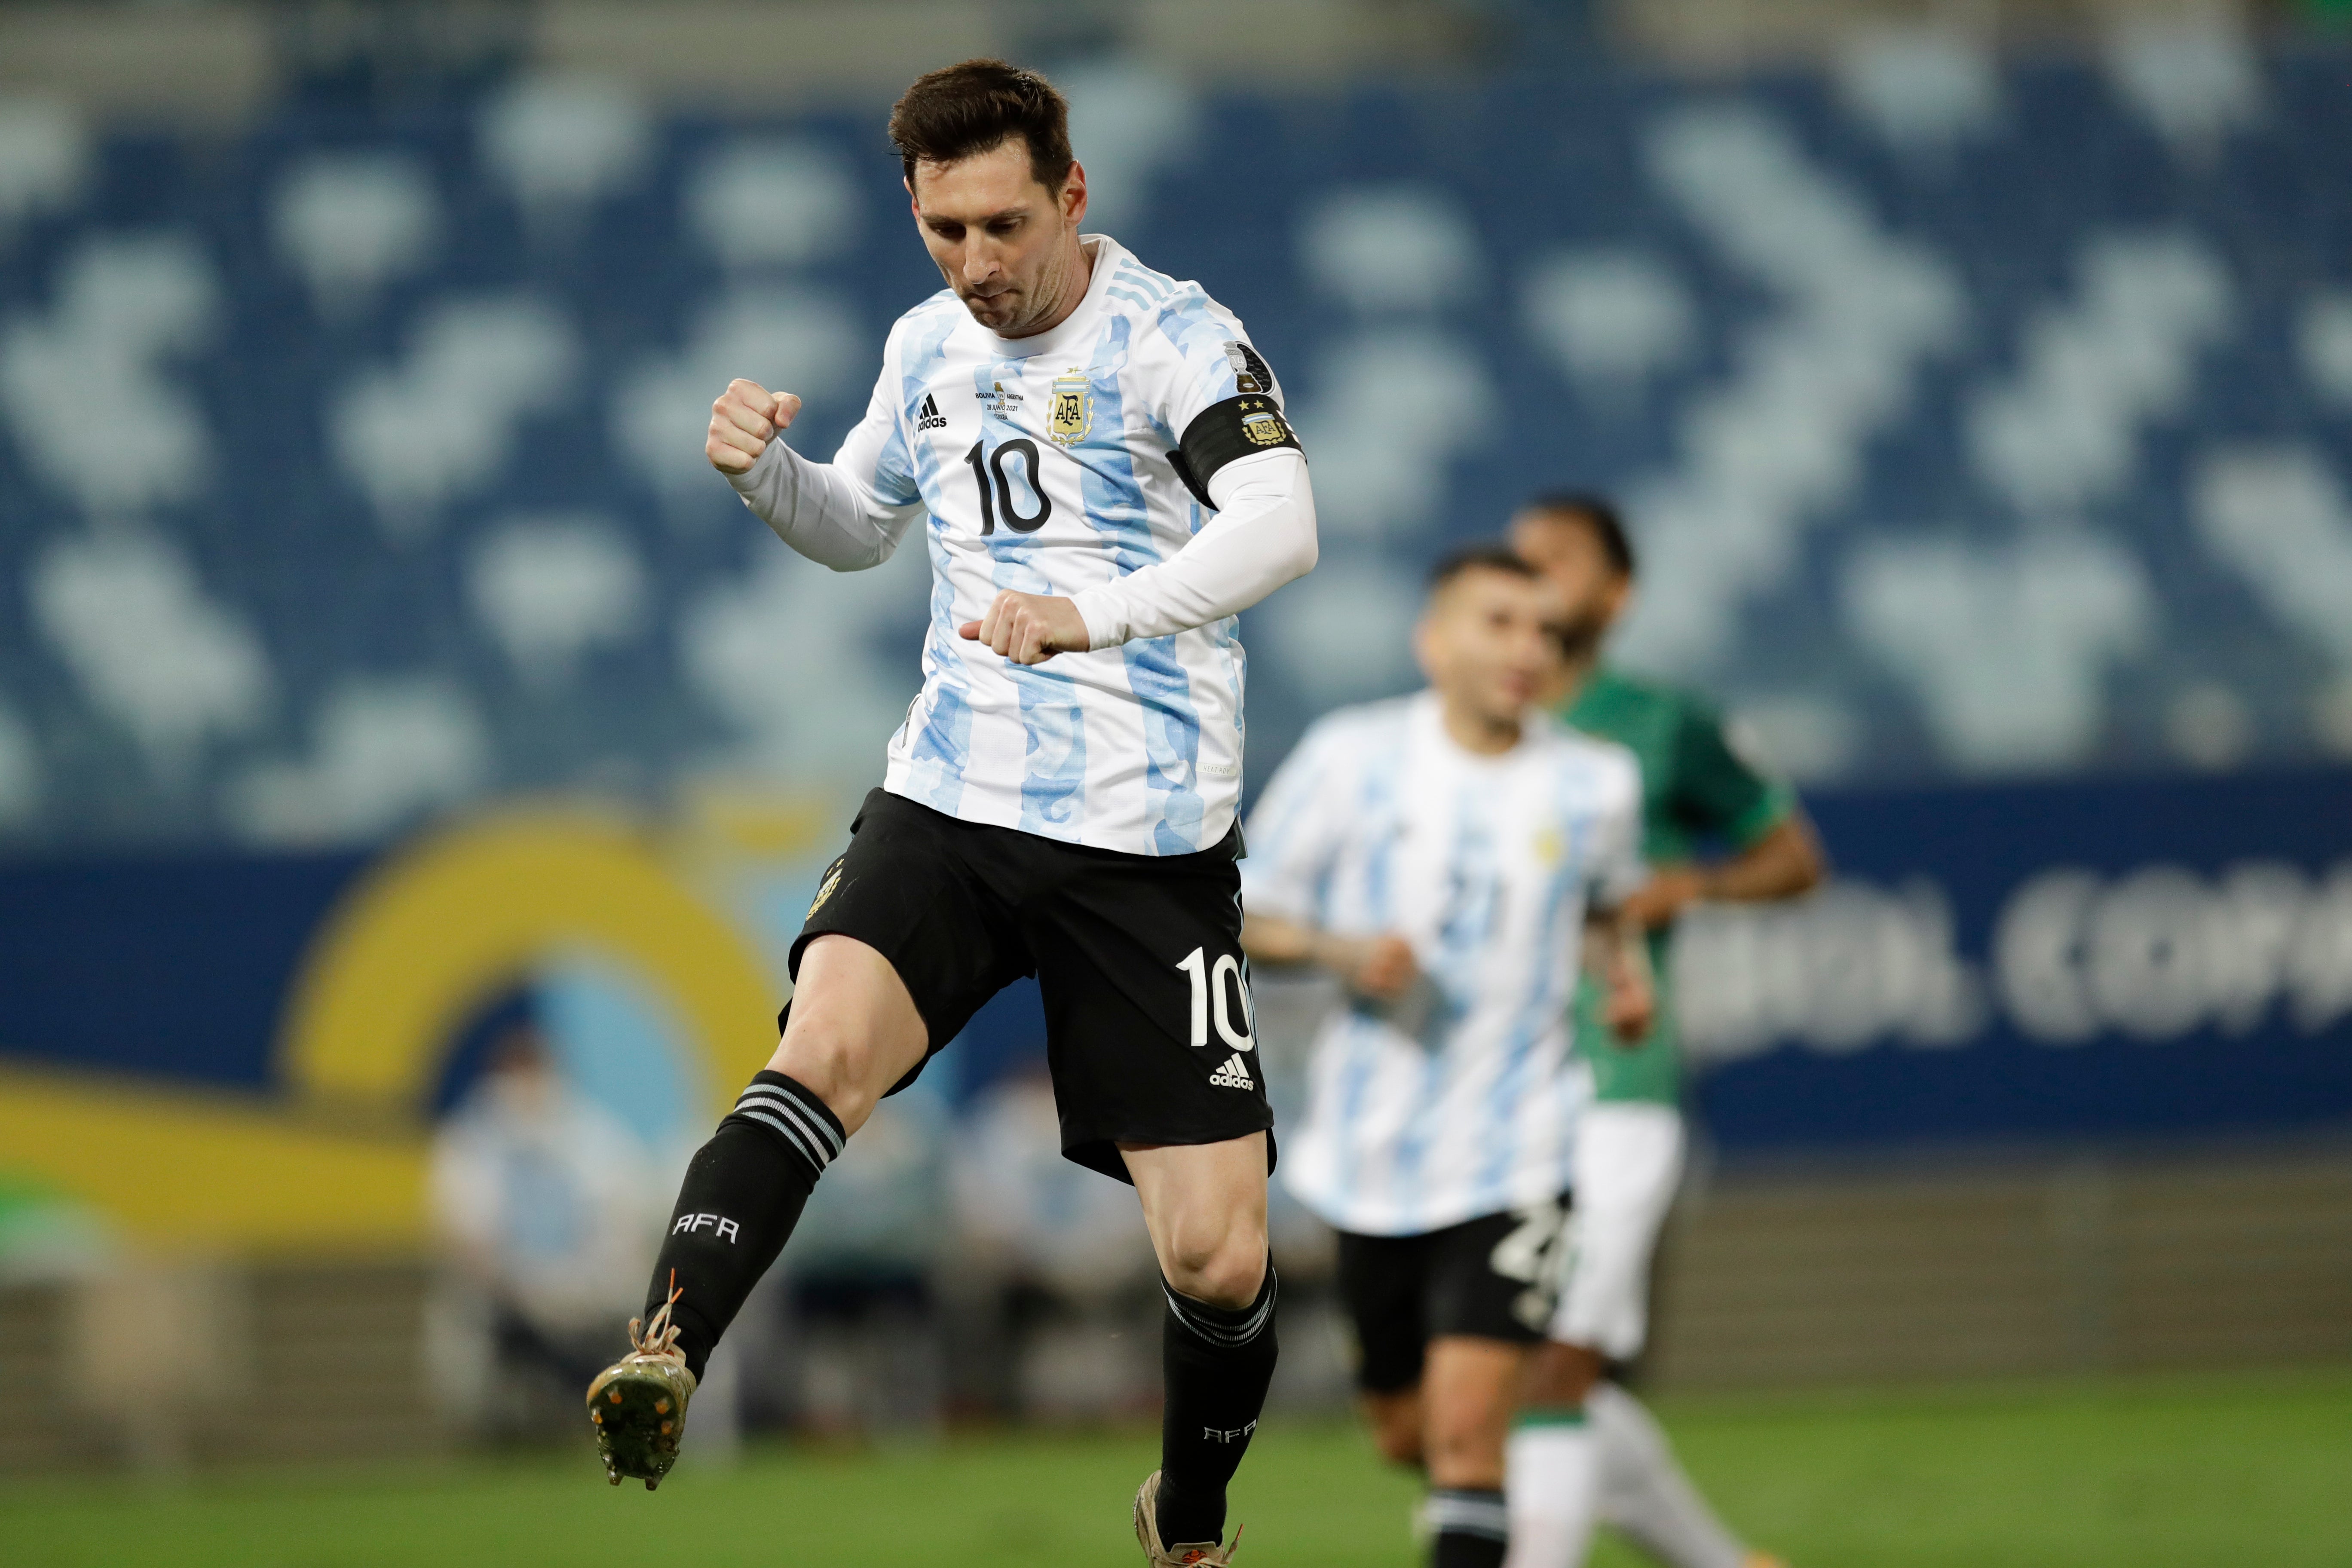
1628	1162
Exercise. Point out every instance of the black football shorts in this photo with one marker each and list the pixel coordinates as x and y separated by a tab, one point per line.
1494	1277
1138	958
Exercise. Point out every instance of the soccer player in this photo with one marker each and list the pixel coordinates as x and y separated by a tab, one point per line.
1447	855
1585	1446
1108	479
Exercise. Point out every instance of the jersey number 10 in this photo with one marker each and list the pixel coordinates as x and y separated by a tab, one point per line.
991	465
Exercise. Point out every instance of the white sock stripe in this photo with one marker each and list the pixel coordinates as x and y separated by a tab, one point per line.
1468	1514
797	1141
803	1134
824	1152
784	1104
1241	1333
808	1106
819	1123
1213	1332
1254	1324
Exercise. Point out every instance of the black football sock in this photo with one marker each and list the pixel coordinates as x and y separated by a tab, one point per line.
742	1194
1218	1362
1471	1529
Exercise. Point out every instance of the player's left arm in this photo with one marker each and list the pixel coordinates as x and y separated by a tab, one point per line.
1295	835
1776	855
1262	537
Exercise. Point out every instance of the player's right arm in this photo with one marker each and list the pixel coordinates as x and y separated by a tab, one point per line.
847	514
1295	835
1380	967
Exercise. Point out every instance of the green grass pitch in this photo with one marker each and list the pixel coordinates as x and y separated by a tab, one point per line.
2136	1473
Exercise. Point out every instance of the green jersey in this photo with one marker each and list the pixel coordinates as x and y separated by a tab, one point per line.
1695	789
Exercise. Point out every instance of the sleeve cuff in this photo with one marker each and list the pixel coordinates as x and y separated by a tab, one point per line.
1098	606
748	483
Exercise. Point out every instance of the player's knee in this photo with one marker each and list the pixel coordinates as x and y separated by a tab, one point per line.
1464	1445
1224	1265
831	1061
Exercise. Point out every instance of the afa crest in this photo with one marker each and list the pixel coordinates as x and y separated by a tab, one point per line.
825	887
1073	409
1262	425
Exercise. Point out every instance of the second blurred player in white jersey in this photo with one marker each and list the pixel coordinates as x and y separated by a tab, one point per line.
1447	855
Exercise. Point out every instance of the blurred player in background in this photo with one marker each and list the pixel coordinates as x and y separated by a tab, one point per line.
1451	857
1585	1446
1108	481
540	1195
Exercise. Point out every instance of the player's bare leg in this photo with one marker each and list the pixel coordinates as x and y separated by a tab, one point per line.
1453	1424
853	1031
1469	1387
1468	1393
1204	1204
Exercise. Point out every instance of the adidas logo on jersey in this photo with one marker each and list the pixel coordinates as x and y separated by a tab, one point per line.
1234	1074
928	416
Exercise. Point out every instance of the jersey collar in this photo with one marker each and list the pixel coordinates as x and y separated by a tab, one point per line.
1429	716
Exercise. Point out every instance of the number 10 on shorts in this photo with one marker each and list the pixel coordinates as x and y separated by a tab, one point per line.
1210	992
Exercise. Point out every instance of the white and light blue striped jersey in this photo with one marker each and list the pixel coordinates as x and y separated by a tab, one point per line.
1461	1100
1044	465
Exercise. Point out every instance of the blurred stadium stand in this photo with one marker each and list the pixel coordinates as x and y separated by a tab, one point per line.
1985	414
1978	419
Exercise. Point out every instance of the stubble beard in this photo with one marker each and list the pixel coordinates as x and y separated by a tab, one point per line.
1030	304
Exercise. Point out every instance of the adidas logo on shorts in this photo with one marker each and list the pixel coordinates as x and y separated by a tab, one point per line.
1234	1074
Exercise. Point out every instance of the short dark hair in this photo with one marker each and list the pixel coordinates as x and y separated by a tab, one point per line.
1487	556
1597	512
960	110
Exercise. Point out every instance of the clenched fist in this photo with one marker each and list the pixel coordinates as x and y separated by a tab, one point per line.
746	417
1029	629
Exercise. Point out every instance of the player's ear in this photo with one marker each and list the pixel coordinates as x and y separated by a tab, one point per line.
1617	601
1427	651
1074	193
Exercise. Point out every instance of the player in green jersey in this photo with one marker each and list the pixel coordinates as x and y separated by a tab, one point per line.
1716	828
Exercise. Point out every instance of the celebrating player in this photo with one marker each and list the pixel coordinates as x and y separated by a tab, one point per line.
1585	1446
1443	855
1109	481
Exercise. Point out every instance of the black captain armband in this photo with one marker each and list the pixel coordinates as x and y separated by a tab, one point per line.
1225	431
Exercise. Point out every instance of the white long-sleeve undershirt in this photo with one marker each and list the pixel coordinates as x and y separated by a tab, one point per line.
820	510
1262	537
